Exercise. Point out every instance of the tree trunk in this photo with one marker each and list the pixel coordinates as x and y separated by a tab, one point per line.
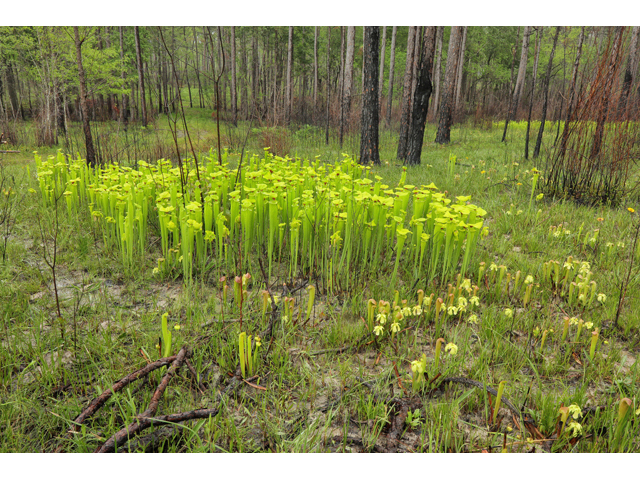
140	76
369	139
254	73
11	87
123	74
603	112
328	84
460	68
348	82
421	98
381	72
448	89
522	70
392	66
406	96
572	96
437	72
91	156
545	91
234	87
315	70
532	91
287	107
630	72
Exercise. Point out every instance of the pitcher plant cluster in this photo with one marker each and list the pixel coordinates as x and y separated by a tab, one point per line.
326	219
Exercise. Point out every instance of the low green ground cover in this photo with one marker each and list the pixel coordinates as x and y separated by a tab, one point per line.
276	352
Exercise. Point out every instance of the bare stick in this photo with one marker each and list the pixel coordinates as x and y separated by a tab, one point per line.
134	427
116	387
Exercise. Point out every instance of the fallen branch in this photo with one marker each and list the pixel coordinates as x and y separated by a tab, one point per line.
133	428
102	399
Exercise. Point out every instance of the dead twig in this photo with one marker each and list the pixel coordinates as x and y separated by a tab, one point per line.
116	387
133	428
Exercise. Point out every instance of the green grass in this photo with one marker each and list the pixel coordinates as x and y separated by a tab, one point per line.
310	395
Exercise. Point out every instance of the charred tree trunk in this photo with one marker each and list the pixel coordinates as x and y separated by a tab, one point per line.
369	140
446	105
421	98
328	84
545	91
406	96
91	156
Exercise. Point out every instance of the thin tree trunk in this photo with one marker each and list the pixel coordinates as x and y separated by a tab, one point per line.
437	72
381	72
140	76
328	85
532	90
197	57
234	87
123	74
421	98
91	156
348	82
630	72
406	96
369	139
392	66
315	69
287	107
522	70
545	91
603	112
448	90
460	71
572	95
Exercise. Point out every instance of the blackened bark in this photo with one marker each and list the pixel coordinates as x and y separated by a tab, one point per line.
421	98
91	156
545	90
140	76
406	95
369	140
448	89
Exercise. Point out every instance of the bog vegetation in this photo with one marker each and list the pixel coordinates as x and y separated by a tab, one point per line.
211	287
